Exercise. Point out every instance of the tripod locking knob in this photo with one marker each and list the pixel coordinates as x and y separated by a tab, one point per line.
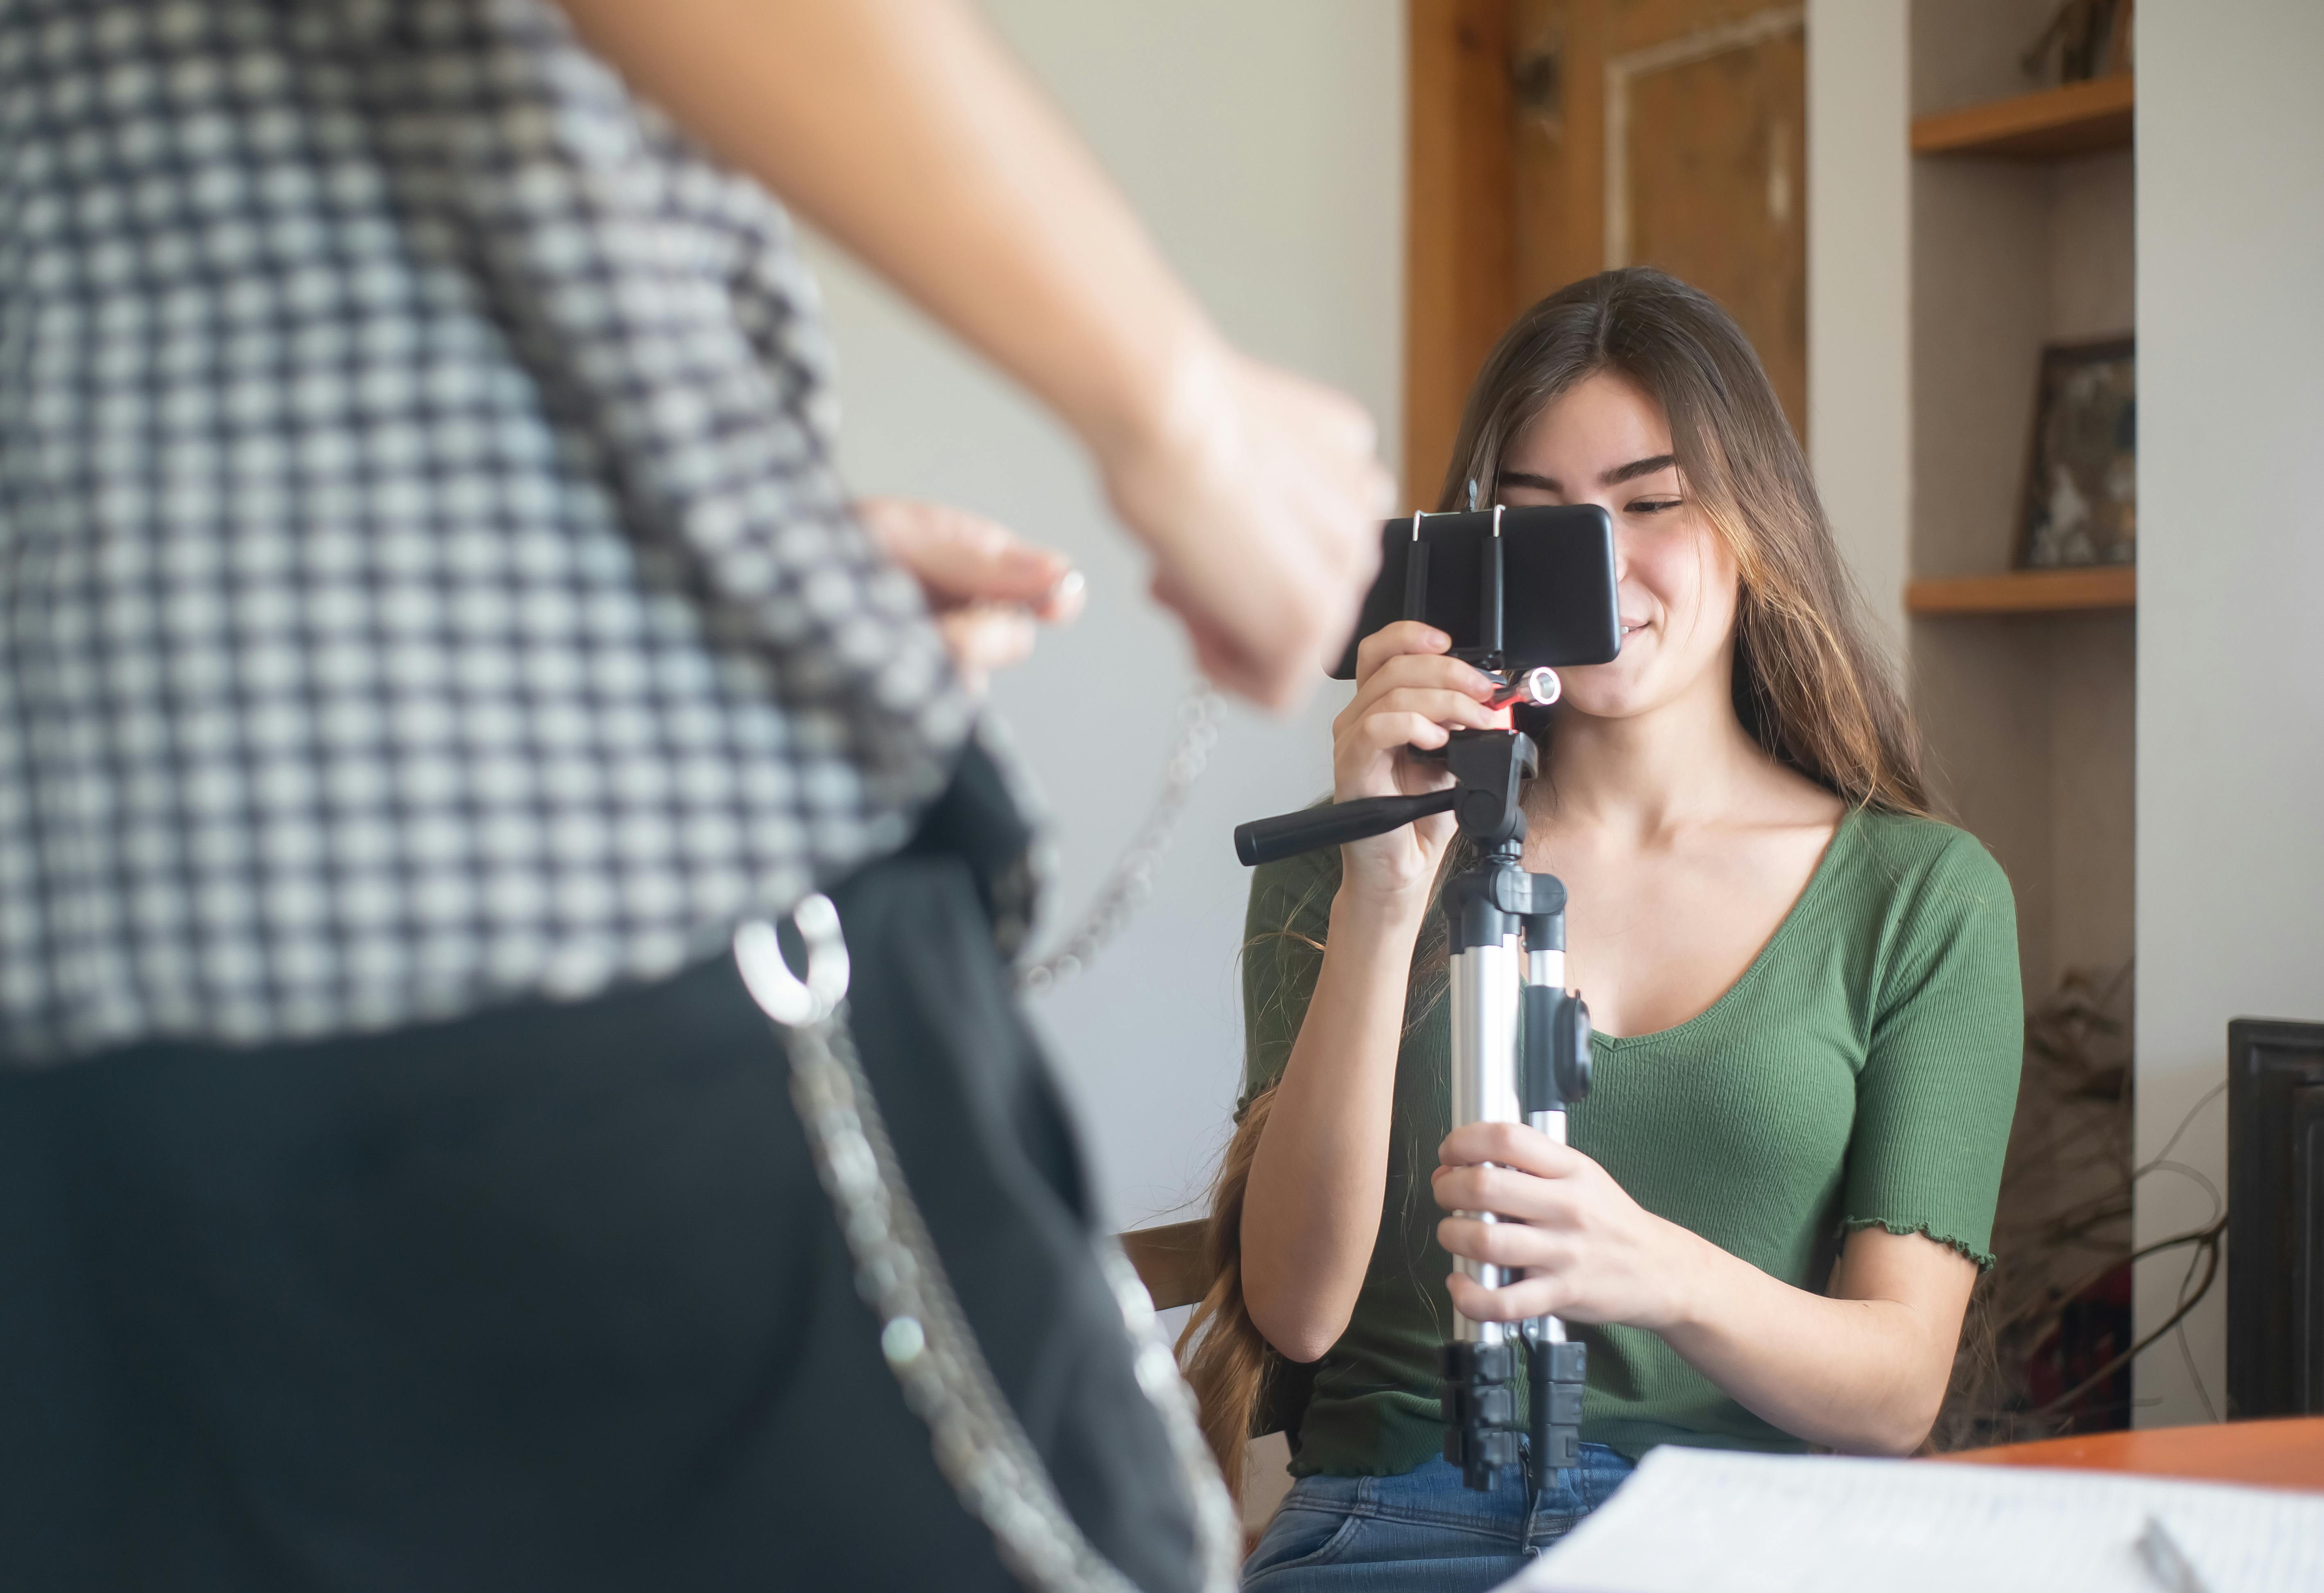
1571	1064
1557	1071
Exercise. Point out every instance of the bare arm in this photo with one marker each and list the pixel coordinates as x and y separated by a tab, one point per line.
1312	1207
1862	1370
901	128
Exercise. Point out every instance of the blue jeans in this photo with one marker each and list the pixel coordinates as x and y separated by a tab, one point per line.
1422	1530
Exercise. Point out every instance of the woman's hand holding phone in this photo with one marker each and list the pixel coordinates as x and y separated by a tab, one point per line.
1408	694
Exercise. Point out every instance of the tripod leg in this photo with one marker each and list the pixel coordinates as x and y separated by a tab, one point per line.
1482	1361
1555	1368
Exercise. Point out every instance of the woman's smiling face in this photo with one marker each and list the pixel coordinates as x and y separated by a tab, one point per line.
1606	442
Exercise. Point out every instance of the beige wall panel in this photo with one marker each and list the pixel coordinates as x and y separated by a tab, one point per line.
1980	314
1980	688
2093	723
2093	252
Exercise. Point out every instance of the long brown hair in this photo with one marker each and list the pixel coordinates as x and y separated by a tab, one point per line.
1227	1359
1809	685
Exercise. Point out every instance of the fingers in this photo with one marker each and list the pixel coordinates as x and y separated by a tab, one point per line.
986	587
1445	705
1406	636
985	637
1400	671
1512	1145
1370	736
1513	1245
1393	732
1409	671
1363	751
1062	603
1518	1301
959	558
1523	1197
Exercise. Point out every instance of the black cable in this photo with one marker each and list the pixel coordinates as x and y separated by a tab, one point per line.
2208	1238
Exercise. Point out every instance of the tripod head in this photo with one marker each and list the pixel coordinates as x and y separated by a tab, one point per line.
1489	768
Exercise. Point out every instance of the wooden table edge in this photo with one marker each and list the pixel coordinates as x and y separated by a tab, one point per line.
2281	1452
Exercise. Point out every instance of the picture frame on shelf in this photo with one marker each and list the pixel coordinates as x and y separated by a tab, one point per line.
2080	508
2087	38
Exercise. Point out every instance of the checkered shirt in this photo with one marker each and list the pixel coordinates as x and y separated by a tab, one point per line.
423	581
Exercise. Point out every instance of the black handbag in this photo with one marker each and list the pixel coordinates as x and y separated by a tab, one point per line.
1016	1334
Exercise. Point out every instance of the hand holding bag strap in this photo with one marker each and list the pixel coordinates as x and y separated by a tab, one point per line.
978	1444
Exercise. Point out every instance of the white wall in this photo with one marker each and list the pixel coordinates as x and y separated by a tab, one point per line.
1859	290
2231	588
1264	146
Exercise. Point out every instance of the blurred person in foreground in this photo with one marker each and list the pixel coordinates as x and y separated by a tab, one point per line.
431	623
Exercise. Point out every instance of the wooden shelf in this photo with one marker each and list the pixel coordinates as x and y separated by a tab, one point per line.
2072	120
2027	591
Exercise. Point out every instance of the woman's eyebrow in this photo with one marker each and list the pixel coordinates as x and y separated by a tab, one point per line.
1635	468
1528	478
1614	477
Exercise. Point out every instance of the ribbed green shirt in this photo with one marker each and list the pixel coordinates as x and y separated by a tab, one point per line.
1861	1072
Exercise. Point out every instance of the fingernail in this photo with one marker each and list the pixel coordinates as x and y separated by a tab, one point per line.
1069	586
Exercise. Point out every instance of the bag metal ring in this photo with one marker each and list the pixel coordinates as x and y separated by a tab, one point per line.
783	995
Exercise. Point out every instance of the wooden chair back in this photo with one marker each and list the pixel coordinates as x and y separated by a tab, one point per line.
1169	1262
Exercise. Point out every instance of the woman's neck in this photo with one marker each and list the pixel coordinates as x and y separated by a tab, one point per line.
1639	778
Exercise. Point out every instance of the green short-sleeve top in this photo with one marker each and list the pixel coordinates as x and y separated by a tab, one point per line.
1862	1072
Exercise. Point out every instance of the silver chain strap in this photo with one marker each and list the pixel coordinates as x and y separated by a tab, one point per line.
1126	889
978	1445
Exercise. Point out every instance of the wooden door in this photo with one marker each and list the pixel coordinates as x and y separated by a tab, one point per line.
1552	138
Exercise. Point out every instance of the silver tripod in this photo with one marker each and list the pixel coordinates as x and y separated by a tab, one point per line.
1520	1054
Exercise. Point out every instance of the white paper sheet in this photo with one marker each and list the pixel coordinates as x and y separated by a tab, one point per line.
1702	1521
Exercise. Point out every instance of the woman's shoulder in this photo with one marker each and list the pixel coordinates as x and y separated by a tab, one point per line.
1916	868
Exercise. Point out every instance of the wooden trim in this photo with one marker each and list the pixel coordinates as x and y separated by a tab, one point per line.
1169	1262
1460	238
2070	120
2026	591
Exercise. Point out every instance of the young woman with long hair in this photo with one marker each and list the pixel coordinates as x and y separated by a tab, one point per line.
1778	1193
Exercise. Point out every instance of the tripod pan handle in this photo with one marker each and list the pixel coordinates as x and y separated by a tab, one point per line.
1286	835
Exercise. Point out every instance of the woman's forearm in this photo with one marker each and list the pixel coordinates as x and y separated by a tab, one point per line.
1862	1368
1863	1374
903	129
1312	1207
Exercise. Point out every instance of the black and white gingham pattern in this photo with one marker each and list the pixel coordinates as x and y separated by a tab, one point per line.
423	579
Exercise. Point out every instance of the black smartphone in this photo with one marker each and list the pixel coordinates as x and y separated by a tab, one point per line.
1548	587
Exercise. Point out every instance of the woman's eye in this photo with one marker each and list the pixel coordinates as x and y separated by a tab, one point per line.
1653	506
